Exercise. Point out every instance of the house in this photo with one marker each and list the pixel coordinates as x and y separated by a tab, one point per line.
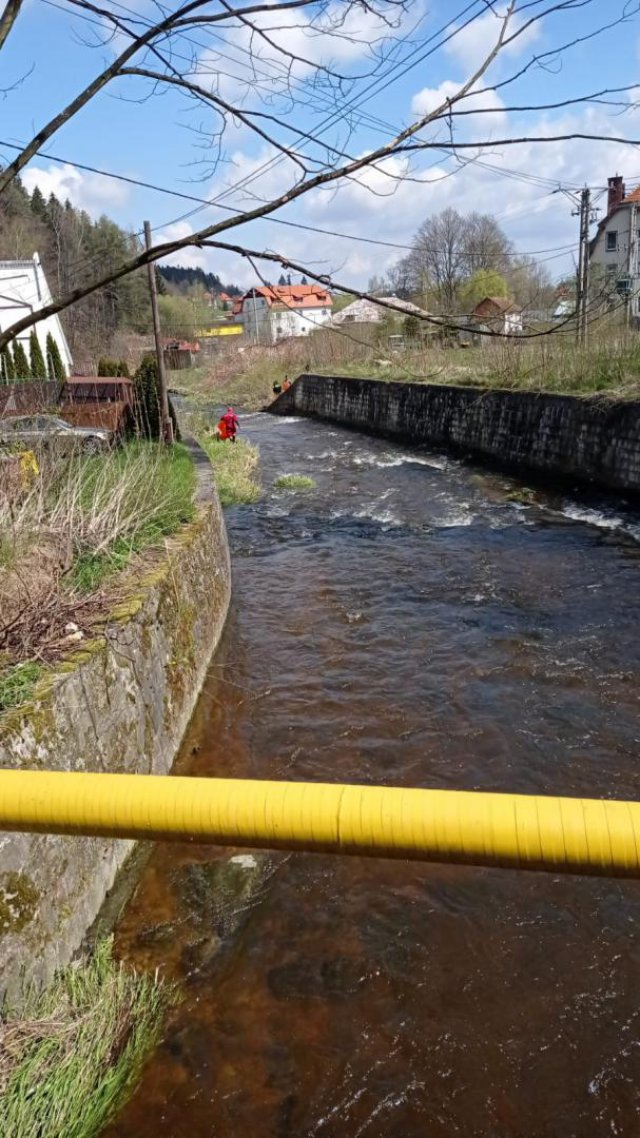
613	252
24	289
498	314
276	312
363	311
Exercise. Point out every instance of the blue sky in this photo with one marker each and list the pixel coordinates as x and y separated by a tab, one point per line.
55	53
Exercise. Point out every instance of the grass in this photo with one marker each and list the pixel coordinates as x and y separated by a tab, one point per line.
294	482
17	684
153	488
235	465
73	1055
609	363
80	522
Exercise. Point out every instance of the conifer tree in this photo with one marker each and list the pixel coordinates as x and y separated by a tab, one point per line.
8	372
55	366
38	366
20	362
38	204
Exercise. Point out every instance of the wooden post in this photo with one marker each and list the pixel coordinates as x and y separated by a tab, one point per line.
166	425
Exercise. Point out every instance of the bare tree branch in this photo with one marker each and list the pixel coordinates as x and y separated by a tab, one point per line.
8	18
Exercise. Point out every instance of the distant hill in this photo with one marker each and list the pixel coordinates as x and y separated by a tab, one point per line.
182	279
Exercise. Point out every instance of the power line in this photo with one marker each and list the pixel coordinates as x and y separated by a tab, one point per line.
358	100
276	221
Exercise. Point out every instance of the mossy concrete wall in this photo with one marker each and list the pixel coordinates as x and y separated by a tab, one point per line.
120	704
592	440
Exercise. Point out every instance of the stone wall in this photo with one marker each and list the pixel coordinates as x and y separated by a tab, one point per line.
594	440
121	704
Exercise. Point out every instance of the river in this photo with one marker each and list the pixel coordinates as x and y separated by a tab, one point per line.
410	621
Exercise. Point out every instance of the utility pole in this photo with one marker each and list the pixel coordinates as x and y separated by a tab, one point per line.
166	426
255	316
582	307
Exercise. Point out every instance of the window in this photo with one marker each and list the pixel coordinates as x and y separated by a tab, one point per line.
612	241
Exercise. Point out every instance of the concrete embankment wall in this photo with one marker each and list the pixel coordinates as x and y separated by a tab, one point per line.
121	704
594	440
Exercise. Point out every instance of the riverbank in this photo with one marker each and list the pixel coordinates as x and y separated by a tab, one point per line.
551	363
591	441
71	1055
67	542
119	700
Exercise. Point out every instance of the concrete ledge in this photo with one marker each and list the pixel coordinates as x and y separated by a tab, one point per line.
122	703
592	440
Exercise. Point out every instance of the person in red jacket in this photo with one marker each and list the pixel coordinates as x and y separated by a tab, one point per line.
231	422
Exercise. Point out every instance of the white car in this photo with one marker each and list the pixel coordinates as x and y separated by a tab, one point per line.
40	430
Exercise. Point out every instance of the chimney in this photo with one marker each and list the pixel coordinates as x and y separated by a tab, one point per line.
616	194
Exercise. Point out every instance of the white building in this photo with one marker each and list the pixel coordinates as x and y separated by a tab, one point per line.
364	311
613	252
23	290
276	312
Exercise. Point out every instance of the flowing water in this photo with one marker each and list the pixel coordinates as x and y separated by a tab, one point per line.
406	621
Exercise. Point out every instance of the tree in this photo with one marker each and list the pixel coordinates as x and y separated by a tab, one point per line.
6	362
282	83
484	282
438	262
411	327
38	366
304	281
146	401
20	362
486	245
55	366
282	280
448	251
38	204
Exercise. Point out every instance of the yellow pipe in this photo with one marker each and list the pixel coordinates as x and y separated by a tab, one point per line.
534	832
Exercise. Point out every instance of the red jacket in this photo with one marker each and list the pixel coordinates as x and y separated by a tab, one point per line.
231	422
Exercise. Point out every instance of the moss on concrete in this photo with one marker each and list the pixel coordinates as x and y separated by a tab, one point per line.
18	902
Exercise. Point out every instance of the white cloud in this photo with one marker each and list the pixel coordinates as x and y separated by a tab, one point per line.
382	204
472	43
91	192
190	256
296	45
430	98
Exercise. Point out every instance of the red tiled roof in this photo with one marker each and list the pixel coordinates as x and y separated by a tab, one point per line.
634	196
293	296
502	303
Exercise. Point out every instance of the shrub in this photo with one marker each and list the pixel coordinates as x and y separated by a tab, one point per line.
107	367
20	362
147	400
38	366
7	371
55	366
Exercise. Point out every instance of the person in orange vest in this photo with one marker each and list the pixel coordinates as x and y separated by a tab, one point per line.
286	383
231	422
221	431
